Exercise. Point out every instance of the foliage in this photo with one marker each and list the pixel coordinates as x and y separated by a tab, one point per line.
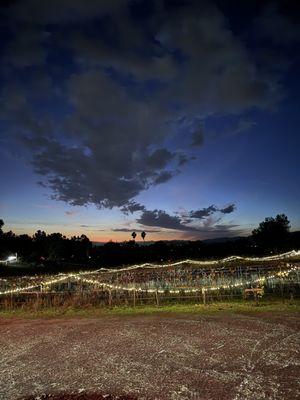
56	252
272	233
201	309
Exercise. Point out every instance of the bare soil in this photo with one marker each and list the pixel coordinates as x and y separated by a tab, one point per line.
176	357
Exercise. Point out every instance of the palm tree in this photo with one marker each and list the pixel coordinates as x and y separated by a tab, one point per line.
143	234
133	235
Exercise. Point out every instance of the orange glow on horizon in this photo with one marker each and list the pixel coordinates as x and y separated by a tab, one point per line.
95	236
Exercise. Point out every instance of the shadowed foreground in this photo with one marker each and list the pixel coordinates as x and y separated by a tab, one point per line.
79	396
186	356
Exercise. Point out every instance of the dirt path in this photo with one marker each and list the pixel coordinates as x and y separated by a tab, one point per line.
175	357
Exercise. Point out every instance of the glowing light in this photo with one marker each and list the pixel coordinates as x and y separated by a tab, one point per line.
80	276
9	259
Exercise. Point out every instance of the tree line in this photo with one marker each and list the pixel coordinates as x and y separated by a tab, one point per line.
53	251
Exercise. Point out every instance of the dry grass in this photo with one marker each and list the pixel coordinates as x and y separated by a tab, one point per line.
213	308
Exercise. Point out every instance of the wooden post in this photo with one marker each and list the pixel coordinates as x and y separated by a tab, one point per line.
281	285
109	298
200	296
203	296
157	298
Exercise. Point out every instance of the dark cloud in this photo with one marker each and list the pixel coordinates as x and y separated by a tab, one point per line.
93	228
62	11
242	125
203	213
280	23
27	49
198	137
160	158
162	219
184	159
208	211
103	91
216	231
132	207
229	209
71	213
210	227
135	230
164	176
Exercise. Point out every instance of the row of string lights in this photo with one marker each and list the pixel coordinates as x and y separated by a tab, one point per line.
81	276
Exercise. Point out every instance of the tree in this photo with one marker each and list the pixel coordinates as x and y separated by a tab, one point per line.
272	233
1	226
133	235
143	234
40	235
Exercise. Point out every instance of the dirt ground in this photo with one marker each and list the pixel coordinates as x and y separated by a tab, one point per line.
176	357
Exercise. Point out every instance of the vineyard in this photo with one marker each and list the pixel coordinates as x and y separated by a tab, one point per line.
184	281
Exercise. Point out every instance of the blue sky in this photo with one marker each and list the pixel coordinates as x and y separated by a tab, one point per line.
169	117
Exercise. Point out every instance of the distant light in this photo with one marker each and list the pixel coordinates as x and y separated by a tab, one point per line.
11	258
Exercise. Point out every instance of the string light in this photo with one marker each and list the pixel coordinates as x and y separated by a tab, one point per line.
139	289
207	288
80	275
278	257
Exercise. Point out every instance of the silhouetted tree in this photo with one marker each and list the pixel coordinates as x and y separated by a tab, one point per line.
1	226
272	233
133	235
143	234
55	252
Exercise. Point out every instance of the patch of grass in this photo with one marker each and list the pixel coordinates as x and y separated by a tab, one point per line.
201	309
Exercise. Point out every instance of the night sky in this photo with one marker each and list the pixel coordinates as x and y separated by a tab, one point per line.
180	118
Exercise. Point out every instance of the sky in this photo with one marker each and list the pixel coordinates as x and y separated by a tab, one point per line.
179	118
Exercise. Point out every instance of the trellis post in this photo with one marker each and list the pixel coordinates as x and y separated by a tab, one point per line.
109	298
157	298
203	296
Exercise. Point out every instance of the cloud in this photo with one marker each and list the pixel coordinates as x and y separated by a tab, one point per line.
226	80
111	89
198	139
162	219
279	26
160	158
132	207
210	227
241	126
229	209
184	159
208	211
202	221
217	231
26	50
71	213
135	230
203	213
62	11
198	136
164	176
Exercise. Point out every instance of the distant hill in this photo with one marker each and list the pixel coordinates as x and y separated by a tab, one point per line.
207	241
223	239
295	235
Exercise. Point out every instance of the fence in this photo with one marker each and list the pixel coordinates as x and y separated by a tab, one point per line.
110	298
182	282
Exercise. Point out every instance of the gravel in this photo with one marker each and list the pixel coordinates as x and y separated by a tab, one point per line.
176	357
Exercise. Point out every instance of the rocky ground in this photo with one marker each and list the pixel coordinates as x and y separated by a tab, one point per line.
177	357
